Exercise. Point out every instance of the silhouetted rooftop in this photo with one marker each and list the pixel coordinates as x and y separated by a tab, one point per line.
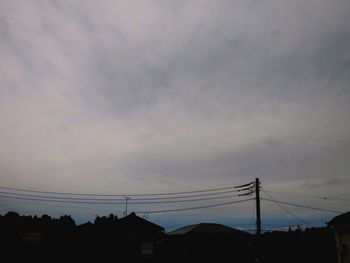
206	228
341	221
136	223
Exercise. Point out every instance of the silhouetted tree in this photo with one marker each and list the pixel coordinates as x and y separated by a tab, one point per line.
67	221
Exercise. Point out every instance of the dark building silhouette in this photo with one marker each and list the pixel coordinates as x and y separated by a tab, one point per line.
142	236
205	241
130	237
207	229
134	239
134	225
341	227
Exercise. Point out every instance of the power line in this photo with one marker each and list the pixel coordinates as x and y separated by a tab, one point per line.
59	201
188	200
102	201
244	185
304	206
115	199
193	208
60	197
286	210
120	195
186	196
61	206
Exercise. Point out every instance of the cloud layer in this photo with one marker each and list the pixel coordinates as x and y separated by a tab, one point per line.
119	96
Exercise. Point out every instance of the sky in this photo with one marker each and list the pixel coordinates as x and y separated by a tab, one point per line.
124	97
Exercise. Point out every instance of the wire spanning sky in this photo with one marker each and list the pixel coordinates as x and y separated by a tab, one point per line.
162	96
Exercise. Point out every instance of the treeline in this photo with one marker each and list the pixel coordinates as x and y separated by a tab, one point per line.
13	225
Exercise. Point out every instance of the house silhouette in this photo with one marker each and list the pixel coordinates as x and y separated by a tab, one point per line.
207	241
341	227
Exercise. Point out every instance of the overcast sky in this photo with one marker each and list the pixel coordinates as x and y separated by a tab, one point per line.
156	96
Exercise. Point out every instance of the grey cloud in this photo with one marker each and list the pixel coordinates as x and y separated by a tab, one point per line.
337	181
327	183
209	92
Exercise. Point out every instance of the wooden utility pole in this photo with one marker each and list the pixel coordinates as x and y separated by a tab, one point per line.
257	199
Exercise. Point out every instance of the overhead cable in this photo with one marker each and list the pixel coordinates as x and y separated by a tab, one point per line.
287	210
303	206
193	208
113	199
103	202
120	195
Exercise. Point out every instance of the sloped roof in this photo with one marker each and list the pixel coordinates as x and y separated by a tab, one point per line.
206	228
136	223
341	221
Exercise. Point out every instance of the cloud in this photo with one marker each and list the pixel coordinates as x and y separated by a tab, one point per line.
335	182
110	96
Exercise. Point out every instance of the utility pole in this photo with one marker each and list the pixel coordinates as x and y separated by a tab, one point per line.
127	198
257	199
